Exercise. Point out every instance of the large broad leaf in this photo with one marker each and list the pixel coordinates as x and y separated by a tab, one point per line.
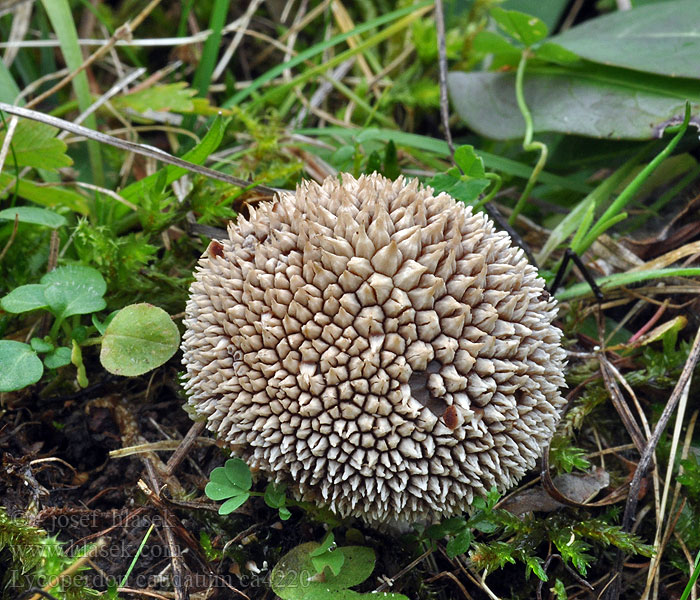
25	298
34	215
35	144
660	38
141	337
294	575
74	290
19	366
592	102
321	594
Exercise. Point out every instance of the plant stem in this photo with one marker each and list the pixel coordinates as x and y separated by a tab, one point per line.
528	144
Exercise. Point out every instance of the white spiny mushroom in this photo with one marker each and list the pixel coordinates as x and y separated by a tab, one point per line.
381	350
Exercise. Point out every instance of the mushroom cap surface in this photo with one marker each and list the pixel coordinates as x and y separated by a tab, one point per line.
381	350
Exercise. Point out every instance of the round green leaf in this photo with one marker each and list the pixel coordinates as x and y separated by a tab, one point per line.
60	357
34	215
25	298
41	345
216	491
294	575
74	290
238	473
141	337
19	366
233	503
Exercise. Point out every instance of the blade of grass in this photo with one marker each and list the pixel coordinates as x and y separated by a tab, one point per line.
61	18
217	20
139	550
617	280
317	49
439	147
377	38
45	196
575	219
8	88
693	578
613	211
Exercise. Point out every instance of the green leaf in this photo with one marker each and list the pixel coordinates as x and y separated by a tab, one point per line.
34	215
586	101
550	11
61	17
140	338
534	564
101	326
9	92
238	473
489	42
25	298
176	97
438	147
326	555
459	544
74	290
275	496
218	475
293	576
217	491
19	366
469	161
524	28
233	503
333	559
41	345
60	357
482	522
46	196
616	280
321	594
659	38
285	513
560	590
36	145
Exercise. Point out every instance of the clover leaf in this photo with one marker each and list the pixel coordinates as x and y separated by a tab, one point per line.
326	555
232	483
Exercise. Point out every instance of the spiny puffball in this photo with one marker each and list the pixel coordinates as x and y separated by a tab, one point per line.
381	350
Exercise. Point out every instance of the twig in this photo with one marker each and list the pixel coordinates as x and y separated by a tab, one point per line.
442	63
405	570
12	238
679	390
124	31
183	448
7	142
142	149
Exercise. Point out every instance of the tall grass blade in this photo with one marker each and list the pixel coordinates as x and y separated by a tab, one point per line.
59	13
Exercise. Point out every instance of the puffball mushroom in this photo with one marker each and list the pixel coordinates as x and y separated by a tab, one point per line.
381	350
